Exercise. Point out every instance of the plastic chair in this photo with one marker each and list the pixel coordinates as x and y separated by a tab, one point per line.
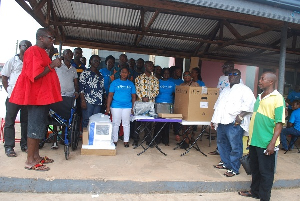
2	130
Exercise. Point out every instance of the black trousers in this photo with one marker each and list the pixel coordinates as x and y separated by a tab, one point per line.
262	168
163	136
9	126
147	130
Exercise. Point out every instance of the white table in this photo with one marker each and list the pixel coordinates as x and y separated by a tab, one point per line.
205	124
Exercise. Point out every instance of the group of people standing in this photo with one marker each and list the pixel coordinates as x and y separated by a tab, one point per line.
237	113
35	82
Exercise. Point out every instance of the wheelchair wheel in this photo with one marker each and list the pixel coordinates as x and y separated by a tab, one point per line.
67	152
74	132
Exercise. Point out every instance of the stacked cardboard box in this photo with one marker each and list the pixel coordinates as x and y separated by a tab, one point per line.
195	103
90	150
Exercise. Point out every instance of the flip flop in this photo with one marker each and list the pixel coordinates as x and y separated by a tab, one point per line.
38	167
46	160
230	173
220	166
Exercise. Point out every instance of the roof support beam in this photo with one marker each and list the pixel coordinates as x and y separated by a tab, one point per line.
148	26
130	30
188	9
48	11
39	6
141	50
39	18
211	36
232	42
232	29
141	24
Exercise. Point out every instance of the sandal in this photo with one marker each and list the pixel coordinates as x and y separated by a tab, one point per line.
220	166
247	194
230	173
38	167
46	160
10	152
214	153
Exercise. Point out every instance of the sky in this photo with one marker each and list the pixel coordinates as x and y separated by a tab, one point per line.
15	24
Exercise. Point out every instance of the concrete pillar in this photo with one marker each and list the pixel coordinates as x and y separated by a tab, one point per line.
282	58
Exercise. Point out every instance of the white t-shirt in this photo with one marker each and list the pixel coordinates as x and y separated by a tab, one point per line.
12	69
66	78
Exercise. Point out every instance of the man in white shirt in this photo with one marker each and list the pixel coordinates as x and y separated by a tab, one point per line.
10	74
68	80
231	118
223	83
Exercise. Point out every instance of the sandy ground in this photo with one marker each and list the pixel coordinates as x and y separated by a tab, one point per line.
150	166
277	195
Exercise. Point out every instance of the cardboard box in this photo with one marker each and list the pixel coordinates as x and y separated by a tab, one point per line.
99	152
170	116
85	136
195	103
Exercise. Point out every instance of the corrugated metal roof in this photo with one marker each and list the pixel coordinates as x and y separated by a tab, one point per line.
248	7
179	27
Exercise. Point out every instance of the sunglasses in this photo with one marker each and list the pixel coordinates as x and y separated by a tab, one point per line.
233	74
50	37
226	66
187	75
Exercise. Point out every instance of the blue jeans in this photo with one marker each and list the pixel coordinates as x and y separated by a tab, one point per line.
230	145
89	111
288	131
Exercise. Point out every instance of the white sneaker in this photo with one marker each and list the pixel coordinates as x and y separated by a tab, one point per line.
54	146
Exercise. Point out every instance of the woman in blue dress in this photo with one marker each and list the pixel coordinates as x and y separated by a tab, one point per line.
166	95
196	76
120	101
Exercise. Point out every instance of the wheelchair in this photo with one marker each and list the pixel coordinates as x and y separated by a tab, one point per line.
71	129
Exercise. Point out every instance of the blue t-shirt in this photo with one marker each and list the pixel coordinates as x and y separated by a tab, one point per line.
166	90
295	119
201	83
106	76
293	95
176	81
122	93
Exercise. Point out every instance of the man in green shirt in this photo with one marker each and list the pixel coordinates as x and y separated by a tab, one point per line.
264	131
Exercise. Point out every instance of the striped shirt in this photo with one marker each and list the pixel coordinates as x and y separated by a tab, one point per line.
267	112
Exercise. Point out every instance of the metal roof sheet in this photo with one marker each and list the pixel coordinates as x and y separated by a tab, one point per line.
213	29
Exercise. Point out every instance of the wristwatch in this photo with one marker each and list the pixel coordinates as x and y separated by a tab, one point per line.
240	117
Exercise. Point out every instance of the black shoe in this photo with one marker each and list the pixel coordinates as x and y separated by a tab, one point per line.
126	144
184	145
135	143
24	148
248	194
10	152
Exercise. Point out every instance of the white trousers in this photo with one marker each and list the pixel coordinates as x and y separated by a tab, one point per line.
118	115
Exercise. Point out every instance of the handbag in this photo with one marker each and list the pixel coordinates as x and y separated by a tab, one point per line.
245	161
